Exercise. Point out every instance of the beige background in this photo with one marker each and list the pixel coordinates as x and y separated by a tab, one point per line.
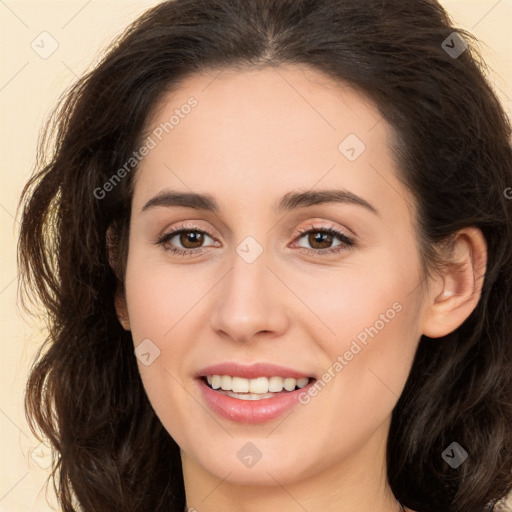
29	87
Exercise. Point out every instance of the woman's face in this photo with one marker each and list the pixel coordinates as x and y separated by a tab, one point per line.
278	152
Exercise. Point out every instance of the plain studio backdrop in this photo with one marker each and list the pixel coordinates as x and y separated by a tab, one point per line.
45	46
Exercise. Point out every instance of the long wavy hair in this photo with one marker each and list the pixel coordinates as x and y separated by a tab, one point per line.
84	393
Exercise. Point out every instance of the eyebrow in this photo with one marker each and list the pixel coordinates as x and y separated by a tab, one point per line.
290	201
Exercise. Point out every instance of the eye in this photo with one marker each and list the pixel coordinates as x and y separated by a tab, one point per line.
191	240
324	240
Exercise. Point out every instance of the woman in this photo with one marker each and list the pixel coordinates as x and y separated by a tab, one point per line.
274	242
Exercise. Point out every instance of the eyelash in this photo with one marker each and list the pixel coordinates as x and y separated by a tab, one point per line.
347	243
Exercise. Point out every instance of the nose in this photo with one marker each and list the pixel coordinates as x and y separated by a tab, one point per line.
250	300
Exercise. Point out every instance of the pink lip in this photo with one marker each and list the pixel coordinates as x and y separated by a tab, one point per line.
251	372
250	411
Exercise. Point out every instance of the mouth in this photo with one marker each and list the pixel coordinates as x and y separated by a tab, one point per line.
252	400
254	393
260	388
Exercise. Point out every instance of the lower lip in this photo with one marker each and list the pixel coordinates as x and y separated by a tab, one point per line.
251	411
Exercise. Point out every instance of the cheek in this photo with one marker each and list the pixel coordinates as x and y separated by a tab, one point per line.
372	314
353	299
159	300
159	295
369	361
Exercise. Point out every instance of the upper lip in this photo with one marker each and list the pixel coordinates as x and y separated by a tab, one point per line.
252	371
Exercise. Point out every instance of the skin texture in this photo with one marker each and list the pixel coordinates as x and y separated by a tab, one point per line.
255	136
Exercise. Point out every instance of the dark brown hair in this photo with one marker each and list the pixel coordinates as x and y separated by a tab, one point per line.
84	392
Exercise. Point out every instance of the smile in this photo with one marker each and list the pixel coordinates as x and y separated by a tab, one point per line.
254	389
249	407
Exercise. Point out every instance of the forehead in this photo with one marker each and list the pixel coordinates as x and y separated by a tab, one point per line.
249	128
269	100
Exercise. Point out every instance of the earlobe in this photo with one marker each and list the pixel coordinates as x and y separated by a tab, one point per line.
111	246
120	301
122	312
458	288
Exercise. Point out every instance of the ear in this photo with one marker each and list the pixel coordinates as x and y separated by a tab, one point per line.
455	293
122	310
120	298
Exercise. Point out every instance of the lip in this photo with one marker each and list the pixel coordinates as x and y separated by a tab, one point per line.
250	411
252	371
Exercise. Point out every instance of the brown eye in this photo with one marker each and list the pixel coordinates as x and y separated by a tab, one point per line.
191	239
320	240
184	241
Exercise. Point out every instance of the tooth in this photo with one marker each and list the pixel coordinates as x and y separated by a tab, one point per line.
216	381
239	385
250	396
289	384
275	384
225	382
302	382
259	385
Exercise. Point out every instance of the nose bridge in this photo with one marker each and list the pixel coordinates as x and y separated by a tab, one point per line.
247	301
